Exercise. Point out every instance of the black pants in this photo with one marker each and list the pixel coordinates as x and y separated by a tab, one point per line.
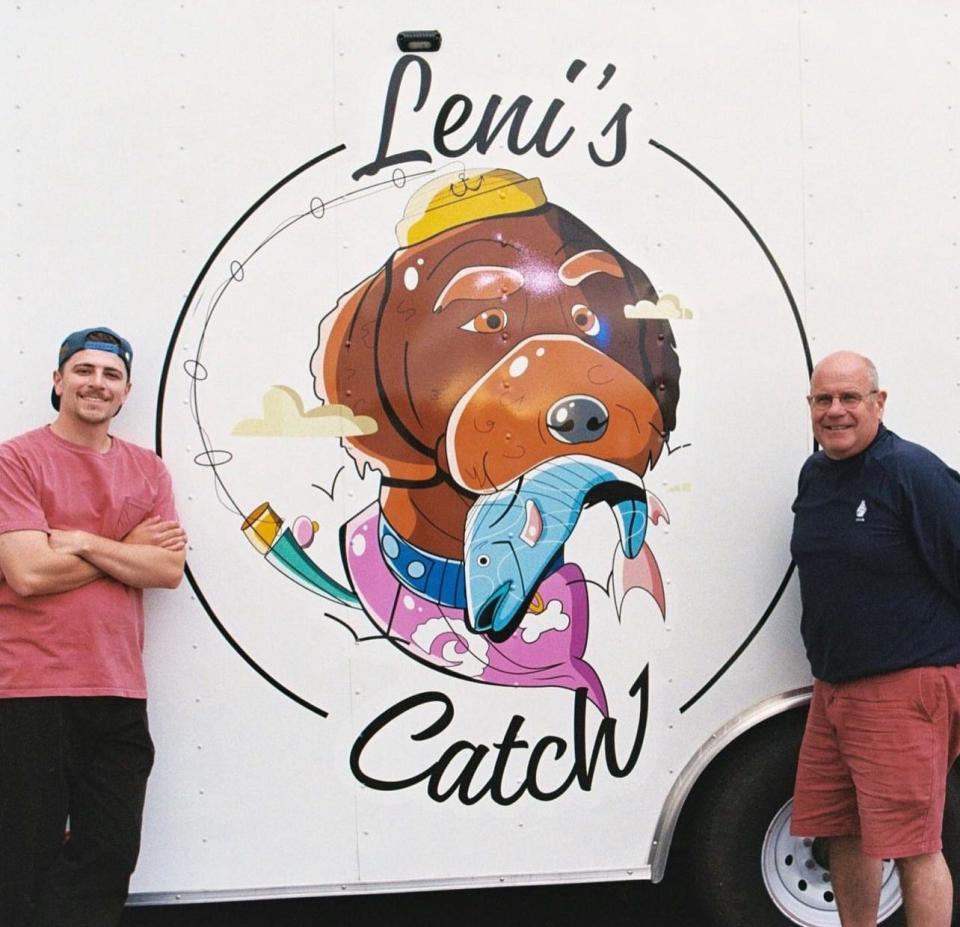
83	758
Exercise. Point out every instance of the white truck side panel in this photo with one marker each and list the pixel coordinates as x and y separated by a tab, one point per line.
774	151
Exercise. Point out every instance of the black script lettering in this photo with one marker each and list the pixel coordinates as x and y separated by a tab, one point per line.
441	129
539	748
619	119
462	781
547	137
391	714
389	113
605	738
504	749
470	783
575	69
494	785
488	129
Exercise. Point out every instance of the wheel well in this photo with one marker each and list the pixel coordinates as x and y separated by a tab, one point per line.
786	727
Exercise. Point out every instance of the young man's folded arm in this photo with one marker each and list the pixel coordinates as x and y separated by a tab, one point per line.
152	555
31	567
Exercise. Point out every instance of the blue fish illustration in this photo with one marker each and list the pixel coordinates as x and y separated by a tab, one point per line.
514	537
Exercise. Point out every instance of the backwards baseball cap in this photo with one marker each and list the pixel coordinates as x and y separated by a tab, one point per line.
92	339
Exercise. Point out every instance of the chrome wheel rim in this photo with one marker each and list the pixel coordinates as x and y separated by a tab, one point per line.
800	886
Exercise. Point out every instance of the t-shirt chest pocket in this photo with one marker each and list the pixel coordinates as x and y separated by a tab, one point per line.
133	510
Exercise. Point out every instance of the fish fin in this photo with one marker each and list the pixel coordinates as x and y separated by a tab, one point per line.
640	572
656	509
533	525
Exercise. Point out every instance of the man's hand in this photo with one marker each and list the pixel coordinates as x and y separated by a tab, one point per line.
38	563
156	532
151	555
70	542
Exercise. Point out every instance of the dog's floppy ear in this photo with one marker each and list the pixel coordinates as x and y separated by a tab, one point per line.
661	373
651	354
346	369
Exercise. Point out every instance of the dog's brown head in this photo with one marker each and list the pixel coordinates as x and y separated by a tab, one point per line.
491	345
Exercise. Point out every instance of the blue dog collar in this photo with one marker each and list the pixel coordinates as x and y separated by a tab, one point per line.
436	578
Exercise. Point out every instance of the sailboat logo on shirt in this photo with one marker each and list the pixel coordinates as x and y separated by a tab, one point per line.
861	509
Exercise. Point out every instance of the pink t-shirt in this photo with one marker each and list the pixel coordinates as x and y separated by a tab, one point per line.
88	641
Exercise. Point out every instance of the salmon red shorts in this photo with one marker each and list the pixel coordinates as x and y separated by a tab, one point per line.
875	757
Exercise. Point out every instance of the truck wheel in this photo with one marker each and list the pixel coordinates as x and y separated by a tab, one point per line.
746	869
797	879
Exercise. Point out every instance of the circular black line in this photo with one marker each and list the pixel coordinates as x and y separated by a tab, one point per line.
167	361
756	237
746	642
259	202
246	658
221	486
806	353
167	364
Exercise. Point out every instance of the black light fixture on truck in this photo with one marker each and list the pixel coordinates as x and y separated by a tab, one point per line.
419	40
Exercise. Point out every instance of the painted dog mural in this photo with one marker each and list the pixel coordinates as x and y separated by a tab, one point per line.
518	369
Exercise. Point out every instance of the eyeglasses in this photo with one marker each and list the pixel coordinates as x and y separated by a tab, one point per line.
823	401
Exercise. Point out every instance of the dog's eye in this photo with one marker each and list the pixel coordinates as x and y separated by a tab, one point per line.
585	319
487	322
483	560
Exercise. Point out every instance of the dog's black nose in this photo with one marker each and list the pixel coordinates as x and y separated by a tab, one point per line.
577	419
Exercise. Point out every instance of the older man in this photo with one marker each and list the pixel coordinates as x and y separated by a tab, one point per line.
876	540
87	521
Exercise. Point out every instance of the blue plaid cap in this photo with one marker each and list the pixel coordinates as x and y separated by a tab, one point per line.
82	341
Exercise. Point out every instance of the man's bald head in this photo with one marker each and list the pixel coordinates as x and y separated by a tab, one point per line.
849	361
846	404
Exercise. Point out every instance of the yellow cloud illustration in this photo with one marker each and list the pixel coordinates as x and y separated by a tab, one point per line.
284	416
666	307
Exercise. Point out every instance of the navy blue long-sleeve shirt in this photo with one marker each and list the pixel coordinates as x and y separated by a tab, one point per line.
876	539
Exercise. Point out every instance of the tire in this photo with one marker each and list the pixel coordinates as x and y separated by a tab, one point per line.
951	836
745	868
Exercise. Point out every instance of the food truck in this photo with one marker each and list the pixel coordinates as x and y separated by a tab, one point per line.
476	336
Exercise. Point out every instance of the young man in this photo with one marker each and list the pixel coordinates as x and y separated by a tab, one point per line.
87	521
876	540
